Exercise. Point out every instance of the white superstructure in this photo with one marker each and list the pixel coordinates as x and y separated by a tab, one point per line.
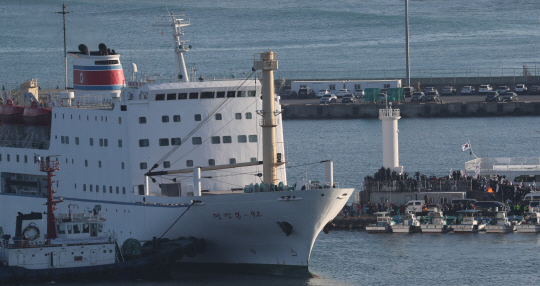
107	141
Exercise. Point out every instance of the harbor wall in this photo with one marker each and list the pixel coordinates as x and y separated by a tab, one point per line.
411	110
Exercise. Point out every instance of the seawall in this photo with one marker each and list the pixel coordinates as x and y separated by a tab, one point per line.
411	110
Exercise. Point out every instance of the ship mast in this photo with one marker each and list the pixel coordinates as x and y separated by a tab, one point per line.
50	167
64	12
267	63
178	22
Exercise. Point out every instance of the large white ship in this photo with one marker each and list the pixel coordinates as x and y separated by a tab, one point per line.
176	159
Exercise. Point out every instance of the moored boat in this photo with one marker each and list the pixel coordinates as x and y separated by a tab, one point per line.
531	224
500	223
467	222
383	225
436	222
407	224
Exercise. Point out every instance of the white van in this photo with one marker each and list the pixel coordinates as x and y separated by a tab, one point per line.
532	196
414	206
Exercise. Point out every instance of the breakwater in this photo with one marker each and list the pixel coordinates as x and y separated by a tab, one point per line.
411	110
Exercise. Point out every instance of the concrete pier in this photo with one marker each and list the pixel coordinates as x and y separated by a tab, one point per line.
409	110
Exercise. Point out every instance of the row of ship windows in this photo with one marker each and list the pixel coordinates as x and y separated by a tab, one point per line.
205	95
17	158
189	163
91	188
199	141
198	117
88	117
102	141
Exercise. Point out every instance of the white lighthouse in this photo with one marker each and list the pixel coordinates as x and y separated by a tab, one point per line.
389	118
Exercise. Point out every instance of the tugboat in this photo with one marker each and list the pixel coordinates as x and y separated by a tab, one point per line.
409	224
436	223
500	223
76	247
467	222
383	225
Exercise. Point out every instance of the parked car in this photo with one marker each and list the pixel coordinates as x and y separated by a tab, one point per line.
342	92
328	98
285	94
464	201
348	98
359	93
322	92
429	88
509	96
493	96
520	89
503	89
408	91
418	97
484	89
448	90
535	89
306	92
433	96
488	207
468	90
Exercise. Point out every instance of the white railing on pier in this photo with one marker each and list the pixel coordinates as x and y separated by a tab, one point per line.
389	112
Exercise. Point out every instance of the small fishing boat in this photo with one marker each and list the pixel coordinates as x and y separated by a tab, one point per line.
531	224
407	224
500	224
383	225
435	223
468	222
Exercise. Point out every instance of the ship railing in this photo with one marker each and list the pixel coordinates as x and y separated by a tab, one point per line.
24	144
79	216
388	113
325	185
504	164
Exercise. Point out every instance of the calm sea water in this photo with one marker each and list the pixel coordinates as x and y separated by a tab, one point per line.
326	36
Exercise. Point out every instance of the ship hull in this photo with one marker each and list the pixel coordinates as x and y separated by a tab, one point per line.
238	228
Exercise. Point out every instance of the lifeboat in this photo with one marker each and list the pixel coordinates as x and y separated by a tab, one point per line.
36	115
11	114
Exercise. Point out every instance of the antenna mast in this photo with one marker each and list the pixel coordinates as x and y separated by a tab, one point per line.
64	12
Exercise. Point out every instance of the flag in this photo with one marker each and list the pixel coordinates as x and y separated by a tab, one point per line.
466	146
162	32
477	171
462	174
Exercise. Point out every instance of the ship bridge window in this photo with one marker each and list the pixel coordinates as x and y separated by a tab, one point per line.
241	93
227	139
61	229
171	96
189	163
105	142
144	143
110	189
251	93
91	141
91	188
211	162
69	228
193	95
218	116
196	140
119	143
84	187
176	141
101	142
160	97
164	142
230	93
176	118
62	140
76	228
106	62
216	140
232	161
143	166
207	94
220	94
165	118
253	160
123	190
198	117
85	228
252	138
238	115
166	164
117	190
249	115
86	163
142	120
76	140
182	96
242	138
17	158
